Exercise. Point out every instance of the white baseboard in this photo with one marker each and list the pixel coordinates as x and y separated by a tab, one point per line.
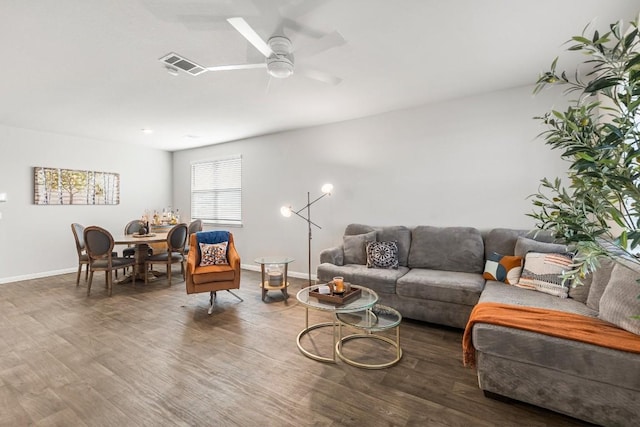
251	267
37	275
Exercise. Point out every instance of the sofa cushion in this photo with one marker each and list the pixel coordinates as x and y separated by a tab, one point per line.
543	272
213	273
599	282
382	255
327	271
355	247
353	229
619	303
525	245
439	285
501	241
502	293
399	234
380	280
580	292
458	249
503	268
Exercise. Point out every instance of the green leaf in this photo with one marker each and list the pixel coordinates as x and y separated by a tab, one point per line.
601	83
635	61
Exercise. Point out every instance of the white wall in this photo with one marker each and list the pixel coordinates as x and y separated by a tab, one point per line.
36	240
468	162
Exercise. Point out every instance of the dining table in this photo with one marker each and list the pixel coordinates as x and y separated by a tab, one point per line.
141	244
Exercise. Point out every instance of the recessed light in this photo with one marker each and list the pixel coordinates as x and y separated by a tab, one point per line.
147	131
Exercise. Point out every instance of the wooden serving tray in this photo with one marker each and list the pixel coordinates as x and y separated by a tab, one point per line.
144	235
337	299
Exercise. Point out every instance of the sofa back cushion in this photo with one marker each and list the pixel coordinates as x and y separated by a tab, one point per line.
355	247
399	234
599	282
353	229
447	248
619	303
501	241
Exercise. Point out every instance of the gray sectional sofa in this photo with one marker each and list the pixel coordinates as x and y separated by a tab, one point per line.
440	279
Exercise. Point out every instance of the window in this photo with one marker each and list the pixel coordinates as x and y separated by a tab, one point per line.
216	191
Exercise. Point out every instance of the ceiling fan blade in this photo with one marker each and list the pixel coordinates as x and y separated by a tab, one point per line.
327	42
236	67
320	76
252	37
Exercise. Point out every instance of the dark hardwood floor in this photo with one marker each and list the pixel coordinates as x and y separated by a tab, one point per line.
151	356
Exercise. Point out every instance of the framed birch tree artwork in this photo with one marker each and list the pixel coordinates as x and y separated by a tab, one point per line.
55	186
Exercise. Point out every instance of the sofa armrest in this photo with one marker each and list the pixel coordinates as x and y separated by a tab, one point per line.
332	255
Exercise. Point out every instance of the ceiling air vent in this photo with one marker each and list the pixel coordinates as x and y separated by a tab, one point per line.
176	61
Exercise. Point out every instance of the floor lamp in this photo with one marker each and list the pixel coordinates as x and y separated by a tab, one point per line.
287	211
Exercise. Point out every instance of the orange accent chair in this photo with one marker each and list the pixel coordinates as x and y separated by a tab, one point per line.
212	278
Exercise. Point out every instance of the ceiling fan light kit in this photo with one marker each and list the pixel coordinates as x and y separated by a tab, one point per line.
280	64
279	67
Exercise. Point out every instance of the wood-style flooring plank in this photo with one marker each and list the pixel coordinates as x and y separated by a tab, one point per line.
150	355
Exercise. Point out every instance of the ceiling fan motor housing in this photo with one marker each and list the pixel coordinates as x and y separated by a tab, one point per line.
280	65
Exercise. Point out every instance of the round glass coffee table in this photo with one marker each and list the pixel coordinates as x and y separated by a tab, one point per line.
365	300
375	319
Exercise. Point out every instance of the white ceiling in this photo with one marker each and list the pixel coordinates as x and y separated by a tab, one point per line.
90	68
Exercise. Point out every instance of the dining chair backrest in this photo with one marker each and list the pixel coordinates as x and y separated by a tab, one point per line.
133	227
98	242
78	234
195	226
177	238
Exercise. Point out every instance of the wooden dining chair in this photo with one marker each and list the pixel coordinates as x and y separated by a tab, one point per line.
176	239
194	227
83	258
132	227
99	245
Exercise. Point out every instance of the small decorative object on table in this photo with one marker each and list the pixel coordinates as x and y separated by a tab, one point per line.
348	293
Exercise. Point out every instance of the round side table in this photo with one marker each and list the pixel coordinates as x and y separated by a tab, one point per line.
274	282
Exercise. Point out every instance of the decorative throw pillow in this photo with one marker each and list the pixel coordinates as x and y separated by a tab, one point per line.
382	255
620	303
355	247
213	254
543	272
503	268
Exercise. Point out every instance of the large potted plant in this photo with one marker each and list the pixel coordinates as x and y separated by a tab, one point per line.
598	209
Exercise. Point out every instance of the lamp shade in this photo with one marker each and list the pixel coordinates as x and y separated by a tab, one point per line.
285	211
327	188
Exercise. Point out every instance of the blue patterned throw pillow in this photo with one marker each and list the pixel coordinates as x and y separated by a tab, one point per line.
382	255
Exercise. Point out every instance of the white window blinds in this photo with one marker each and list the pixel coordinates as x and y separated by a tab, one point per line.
216	191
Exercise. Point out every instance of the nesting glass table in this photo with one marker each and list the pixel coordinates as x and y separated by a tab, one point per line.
361	313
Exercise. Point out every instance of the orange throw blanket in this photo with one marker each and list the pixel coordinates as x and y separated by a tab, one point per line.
549	322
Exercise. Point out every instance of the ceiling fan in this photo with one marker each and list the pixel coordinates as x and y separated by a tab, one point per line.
278	52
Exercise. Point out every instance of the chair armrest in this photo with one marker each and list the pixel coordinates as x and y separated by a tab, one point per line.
332	255
233	258
193	257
